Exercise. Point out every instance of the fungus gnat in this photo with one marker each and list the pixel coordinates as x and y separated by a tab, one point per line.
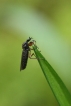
26	53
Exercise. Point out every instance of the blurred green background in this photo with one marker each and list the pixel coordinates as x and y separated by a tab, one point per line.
49	23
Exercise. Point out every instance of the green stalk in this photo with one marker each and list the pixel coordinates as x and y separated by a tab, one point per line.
56	84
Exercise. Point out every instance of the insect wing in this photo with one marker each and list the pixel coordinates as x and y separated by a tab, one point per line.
24	59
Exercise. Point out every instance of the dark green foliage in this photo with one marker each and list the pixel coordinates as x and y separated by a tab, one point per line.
56	84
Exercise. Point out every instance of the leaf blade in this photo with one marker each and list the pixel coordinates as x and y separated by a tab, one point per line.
56	84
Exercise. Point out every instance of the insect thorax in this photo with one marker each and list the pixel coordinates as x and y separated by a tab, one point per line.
25	46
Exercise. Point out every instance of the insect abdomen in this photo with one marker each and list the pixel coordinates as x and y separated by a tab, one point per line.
24	59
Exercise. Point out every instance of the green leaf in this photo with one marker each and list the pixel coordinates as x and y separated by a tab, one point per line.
56	84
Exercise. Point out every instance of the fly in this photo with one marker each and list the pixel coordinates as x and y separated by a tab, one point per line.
26	52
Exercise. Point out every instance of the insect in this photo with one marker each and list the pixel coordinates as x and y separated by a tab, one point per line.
26	53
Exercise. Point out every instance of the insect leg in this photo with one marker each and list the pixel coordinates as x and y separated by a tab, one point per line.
30	56
33	49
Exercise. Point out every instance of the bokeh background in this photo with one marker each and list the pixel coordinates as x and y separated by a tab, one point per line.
49	23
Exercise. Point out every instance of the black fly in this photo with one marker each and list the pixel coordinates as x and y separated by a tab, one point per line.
26	52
